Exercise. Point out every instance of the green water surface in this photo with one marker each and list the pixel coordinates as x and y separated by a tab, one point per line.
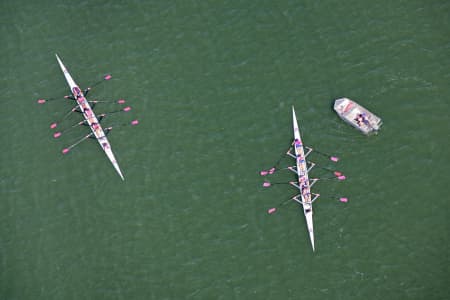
212	83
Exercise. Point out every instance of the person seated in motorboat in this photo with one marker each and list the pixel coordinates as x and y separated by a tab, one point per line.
362	119
365	119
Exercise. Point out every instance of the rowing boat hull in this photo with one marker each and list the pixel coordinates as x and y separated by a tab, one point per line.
348	110
90	117
303	179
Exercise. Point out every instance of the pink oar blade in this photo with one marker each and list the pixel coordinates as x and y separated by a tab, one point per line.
65	150
342	177
57	135
334	158
343	199
266	184
128	108
41	101
107	77
266	172
121	101
53	125
271	210
337	173
134	122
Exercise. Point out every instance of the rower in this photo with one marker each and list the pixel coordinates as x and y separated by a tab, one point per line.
77	92
89	116
97	129
305	191
84	105
87	112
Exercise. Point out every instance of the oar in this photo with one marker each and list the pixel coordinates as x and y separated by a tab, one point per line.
54	124
275	166
341	199
269	184
338	177
108	129
272	170
132	123
336	173
101	116
330	157
66	150
59	133
125	109
267	172
274	209
105	78
120	101
42	101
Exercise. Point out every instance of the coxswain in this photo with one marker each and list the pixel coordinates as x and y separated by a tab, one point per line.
77	92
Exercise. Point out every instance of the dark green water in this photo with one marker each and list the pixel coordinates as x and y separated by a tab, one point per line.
212	83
